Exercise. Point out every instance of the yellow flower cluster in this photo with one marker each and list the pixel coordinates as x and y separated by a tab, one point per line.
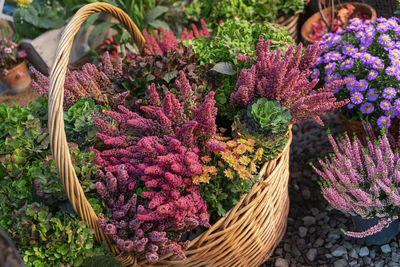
240	158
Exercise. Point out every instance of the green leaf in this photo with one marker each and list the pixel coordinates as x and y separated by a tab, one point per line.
170	75
159	23
153	14
98	29
90	21
224	68
125	37
102	261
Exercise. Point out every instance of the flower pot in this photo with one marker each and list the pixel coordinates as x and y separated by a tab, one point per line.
17	79
306	29
380	238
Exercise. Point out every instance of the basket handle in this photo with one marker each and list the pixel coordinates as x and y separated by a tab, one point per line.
58	141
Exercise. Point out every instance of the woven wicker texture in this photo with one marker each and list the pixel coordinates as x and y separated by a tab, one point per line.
245	237
291	23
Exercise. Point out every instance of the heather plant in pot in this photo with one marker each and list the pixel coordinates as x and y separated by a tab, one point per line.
13	71
363	181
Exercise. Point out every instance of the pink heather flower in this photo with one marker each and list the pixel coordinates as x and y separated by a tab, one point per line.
22	54
5	72
7	50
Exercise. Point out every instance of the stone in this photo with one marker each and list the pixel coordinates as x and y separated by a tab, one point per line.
312	254
353	253
386	248
367	261
347	245
364	251
340	263
328	245
303	231
334	234
281	263
306	193
314	211
372	254
286	247
309	220
353	263
339	252
319	242
379	263
279	251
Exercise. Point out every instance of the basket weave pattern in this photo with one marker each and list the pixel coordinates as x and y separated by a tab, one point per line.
291	23
245	237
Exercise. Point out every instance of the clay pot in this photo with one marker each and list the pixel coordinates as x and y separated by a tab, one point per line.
17	79
306	29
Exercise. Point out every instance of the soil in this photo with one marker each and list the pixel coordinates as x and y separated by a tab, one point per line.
21	99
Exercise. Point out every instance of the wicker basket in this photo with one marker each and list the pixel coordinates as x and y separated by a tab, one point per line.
245	237
291	23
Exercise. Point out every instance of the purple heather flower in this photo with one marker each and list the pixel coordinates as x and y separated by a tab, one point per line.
22	54
372	95
330	68
385	105
383	121
390	71
362	85
372	74
367	108
384	39
7	50
315	74
356	98
389	93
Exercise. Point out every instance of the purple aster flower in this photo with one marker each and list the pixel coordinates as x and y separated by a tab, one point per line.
347	64
315	74
389	93
382	27
366	58
392	24
385	105
336	39
329	78
337	76
352	85
383	121
367	108
381	19
360	35
336	56
327	57
372	95
350	105
397	75
362	85
330	68
363	48
391	71
357	54
372	74
396	105
318	61
370	34
394	54
384	39
346	49
389	46
356	98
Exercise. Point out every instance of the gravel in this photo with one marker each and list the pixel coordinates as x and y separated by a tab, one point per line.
313	236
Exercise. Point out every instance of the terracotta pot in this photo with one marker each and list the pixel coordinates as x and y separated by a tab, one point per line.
17	79
306	29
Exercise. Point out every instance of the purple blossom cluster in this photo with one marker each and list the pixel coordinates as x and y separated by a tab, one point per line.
287	80
172	205
362	180
156	153
91	82
10	56
369	53
168	41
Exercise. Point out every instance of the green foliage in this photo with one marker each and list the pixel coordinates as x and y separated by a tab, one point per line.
38	17
244	127
269	116
250	10
238	37
52	239
102	261
79	126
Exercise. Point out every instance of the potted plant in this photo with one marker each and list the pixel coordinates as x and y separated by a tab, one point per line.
14	73
366	53
363	181
333	18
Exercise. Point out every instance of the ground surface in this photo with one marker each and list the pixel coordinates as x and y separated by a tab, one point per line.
22	99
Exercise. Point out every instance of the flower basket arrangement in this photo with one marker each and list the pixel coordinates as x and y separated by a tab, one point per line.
362	181
365	52
14	72
177	190
334	18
